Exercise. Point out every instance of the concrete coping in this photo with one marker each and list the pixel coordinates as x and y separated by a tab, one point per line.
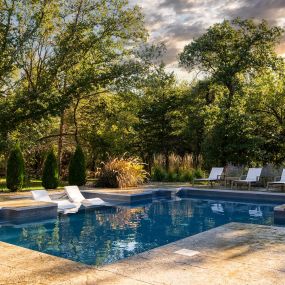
25	203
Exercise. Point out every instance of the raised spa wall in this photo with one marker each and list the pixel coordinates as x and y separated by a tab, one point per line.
25	211
266	197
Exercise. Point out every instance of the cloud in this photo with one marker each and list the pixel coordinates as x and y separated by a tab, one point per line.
272	11
178	22
180	6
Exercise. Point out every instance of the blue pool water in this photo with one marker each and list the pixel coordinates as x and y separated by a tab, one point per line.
104	236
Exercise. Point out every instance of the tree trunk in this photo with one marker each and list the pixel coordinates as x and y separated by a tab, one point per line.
75	120
60	142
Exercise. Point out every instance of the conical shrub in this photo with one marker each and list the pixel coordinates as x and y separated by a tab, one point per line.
15	170
50	177
77	168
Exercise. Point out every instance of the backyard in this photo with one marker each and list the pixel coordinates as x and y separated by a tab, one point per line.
142	142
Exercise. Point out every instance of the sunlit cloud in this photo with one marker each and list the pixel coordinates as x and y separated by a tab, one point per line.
178	22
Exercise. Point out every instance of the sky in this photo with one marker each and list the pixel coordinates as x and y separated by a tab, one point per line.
177	22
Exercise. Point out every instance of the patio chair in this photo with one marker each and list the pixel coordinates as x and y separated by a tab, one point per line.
215	175
278	180
253	176
76	196
63	205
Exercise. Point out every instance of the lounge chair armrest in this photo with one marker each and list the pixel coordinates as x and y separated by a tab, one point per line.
220	177
257	178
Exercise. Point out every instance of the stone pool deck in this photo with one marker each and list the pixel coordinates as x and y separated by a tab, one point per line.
231	254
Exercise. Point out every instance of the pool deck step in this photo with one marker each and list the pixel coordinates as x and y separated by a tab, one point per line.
232	254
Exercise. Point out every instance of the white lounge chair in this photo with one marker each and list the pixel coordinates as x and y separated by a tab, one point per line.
278	180
253	176
63	205
215	175
76	196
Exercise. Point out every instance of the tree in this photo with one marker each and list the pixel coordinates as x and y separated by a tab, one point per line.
200	104
266	106
161	120
15	170
50	178
77	168
78	40
230	54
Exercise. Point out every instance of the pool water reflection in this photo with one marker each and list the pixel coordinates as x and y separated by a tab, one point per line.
106	235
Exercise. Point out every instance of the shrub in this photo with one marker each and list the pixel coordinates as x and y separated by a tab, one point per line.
77	168
185	176
198	173
15	170
50	177
158	174
121	172
172	176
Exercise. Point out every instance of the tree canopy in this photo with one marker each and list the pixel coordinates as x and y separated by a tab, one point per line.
81	72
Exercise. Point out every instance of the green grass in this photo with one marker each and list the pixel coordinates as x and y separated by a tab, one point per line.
33	184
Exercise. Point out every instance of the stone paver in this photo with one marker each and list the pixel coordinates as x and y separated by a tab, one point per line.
231	254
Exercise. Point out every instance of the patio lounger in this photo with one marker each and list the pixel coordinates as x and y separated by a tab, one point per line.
76	196
281	180
215	175
253	176
63	205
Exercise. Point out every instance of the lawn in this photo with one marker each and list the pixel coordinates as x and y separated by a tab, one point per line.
33	184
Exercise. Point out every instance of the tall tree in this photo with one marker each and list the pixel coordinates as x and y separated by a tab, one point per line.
266	106
15	170
79	39
50	178
160	117
229	53
77	168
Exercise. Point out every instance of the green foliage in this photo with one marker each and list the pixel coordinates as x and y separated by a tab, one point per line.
158	174
180	175
15	170
232	47
185	175
161	115
50	49
121	173
233	54
50	178
129	102
198	173
172	176
181	169
77	168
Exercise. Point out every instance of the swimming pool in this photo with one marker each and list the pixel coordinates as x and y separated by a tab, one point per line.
106	235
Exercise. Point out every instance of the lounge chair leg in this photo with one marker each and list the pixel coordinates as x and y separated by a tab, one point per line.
249	184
